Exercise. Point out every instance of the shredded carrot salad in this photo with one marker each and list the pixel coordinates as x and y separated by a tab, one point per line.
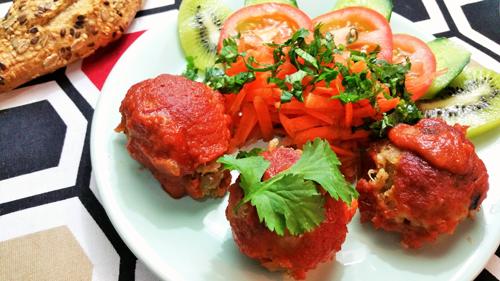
258	111
308	88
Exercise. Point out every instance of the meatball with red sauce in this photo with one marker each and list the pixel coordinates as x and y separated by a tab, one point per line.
424	180
295	254
177	128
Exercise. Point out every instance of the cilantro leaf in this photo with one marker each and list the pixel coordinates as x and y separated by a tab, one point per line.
289	202
320	164
251	169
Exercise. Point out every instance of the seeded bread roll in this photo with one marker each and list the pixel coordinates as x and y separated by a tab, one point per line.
39	36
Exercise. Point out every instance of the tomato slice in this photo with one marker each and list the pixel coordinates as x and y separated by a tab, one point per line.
365	28
423	63
264	23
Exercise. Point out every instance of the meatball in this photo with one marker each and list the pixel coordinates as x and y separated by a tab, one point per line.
295	254
177	129
424	180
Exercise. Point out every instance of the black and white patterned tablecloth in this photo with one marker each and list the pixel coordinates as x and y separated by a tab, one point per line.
45	172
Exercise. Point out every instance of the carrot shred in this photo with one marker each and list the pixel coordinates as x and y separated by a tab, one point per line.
265	93
325	132
348	114
363	112
358	66
363	102
314	101
285	69
287	125
263	117
385	105
245	126
321	116
359	134
237	67
326	91
294	104
304	122
236	105
341	151
292	111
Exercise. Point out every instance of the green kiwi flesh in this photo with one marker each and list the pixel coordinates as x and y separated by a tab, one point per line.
384	7
472	99
254	2
199	24
451	58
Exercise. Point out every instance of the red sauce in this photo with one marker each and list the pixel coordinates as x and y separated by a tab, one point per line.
432	139
435	181
173	126
296	254
280	159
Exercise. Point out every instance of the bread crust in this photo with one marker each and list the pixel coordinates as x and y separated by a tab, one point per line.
40	36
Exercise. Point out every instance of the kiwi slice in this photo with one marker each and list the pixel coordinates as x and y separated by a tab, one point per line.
199	24
450	57
254	2
472	99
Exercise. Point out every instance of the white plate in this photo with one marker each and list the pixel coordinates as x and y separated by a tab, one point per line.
189	240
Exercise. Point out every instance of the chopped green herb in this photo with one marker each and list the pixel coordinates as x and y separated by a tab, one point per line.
191	71
290	200
254	152
406	112
229	52
217	79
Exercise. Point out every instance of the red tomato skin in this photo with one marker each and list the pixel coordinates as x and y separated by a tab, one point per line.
381	33
230	29
417	84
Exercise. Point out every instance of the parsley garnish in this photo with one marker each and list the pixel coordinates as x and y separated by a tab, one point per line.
191	71
245	154
406	112
291	200
217	79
